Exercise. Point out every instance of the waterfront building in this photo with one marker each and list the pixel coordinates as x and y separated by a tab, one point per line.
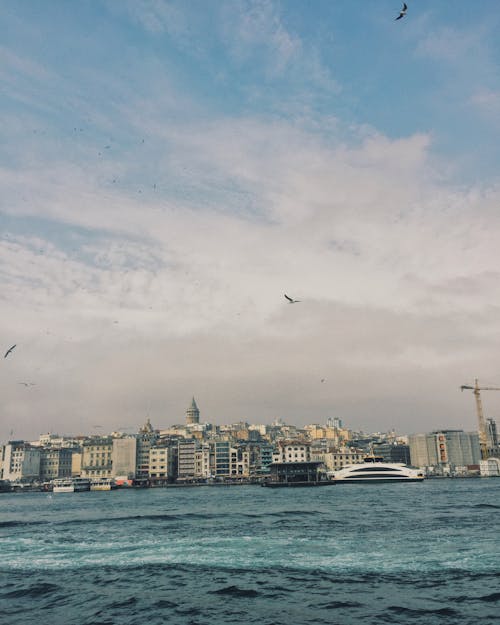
204	461
162	463
442	451
239	461
260	456
222	458
186	454
266	457
97	457
423	450
292	451
490	467
76	462
21	462
124	457
393	452
335	459
192	413
146	438
55	463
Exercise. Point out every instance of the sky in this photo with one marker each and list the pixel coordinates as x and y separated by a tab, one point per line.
170	169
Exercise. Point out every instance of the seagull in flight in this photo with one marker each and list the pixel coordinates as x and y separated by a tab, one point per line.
27	383
9	351
403	12
291	300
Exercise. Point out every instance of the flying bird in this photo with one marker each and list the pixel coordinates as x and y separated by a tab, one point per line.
291	300
403	12
27	383
9	351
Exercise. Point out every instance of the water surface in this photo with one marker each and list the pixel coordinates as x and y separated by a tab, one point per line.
379	553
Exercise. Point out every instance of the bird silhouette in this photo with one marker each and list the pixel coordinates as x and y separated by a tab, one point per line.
9	351
403	12
291	300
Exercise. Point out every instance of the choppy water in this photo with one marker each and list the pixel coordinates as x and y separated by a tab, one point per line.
381	553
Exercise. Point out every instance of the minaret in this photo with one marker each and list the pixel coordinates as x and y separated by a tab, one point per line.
192	414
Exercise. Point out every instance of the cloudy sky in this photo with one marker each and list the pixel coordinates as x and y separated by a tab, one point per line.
169	169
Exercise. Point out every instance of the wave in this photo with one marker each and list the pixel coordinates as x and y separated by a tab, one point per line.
335	605
20	523
235	591
162	517
35	590
491	598
486	505
398	609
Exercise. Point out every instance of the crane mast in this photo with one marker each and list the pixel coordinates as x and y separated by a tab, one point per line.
483	436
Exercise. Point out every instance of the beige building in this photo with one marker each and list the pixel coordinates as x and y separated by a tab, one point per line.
76	463
239	462
161	464
335	460
97	457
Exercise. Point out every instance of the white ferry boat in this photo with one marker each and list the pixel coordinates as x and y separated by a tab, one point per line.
102	483
71	485
374	469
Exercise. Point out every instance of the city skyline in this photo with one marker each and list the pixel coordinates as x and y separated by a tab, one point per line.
172	169
190	422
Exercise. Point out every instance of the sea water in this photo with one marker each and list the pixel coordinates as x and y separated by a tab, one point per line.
354	553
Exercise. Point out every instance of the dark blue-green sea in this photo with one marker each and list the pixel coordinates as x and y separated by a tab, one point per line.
348	554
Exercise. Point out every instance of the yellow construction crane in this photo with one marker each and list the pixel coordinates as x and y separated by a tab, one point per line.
483	436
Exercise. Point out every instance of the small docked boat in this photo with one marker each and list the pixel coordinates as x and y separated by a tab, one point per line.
374	469
102	483
63	486
71	485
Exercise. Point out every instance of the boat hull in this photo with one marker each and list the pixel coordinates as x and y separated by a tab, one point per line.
374	471
63	489
378	480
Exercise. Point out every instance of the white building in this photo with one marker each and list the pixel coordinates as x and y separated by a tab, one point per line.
292	451
21	462
490	467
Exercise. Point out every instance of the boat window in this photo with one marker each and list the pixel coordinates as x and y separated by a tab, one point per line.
370	469
400	476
